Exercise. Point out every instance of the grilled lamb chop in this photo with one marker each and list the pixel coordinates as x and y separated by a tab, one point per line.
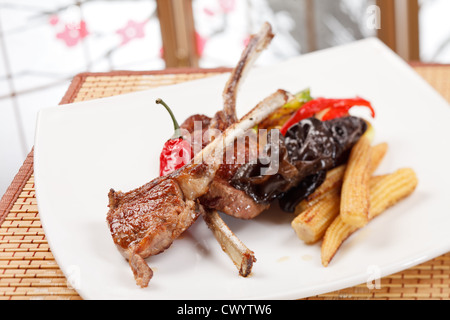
145	221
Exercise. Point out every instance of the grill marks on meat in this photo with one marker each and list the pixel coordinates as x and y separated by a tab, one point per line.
136	215
144	222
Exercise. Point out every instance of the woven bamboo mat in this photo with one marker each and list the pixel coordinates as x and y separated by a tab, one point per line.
29	271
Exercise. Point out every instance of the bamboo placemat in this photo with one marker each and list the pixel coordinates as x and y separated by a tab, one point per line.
29	271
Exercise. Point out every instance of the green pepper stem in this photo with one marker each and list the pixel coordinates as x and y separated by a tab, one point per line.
176	126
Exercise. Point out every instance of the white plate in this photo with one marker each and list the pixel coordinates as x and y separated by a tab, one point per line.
84	149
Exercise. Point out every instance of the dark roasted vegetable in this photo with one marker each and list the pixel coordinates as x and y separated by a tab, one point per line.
334	108
305	188
309	148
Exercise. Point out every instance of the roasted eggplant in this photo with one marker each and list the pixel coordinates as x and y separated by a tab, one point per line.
307	150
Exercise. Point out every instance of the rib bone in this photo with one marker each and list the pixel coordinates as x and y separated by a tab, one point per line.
242	257
257	43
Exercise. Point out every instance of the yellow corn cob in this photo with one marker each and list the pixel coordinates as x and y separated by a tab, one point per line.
335	176
355	187
377	155
311	224
388	190
316	213
385	191
373	181
334	236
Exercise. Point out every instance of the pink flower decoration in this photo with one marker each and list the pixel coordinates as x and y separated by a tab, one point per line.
132	30
227	5
209	12
72	34
201	42
53	20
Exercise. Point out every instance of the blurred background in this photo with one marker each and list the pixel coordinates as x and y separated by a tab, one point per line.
43	44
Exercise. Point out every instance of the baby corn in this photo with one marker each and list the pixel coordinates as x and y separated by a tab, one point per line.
335	176
332	181
355	187
377	155
311	224
334	236
385	191
317	212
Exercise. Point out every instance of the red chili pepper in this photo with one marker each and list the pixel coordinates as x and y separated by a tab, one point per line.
176	151
338	108
335	113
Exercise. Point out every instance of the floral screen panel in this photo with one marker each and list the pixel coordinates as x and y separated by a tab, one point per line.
301	26
45	43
